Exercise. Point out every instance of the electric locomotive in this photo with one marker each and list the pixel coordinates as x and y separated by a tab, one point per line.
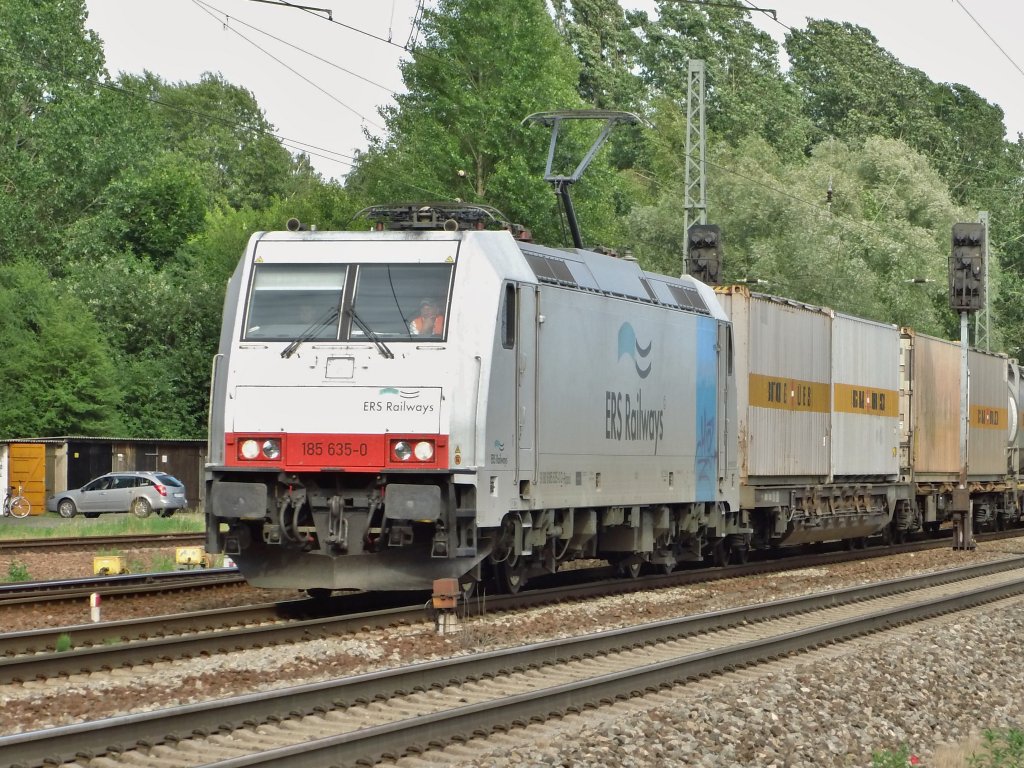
559	404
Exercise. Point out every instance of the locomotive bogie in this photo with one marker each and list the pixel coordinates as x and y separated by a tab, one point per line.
850	428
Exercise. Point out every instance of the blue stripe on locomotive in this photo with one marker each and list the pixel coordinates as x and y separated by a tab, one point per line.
706	461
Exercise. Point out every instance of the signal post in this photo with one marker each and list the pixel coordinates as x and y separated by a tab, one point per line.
966	296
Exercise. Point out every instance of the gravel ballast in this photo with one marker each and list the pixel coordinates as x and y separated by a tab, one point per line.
919	686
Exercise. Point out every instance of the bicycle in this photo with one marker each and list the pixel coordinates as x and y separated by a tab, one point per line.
16	505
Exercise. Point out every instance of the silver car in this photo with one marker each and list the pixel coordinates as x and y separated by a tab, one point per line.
137	492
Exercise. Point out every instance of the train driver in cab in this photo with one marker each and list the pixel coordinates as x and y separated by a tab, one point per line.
430	321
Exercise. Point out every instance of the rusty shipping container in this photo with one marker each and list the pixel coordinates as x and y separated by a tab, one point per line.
931	408
783	384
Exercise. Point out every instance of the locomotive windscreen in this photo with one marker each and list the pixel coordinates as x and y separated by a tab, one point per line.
314	301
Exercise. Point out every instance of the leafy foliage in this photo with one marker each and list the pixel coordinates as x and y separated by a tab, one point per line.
126	202
457	134
58	377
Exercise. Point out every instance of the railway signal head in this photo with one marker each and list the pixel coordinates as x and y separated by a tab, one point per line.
704	253
967	267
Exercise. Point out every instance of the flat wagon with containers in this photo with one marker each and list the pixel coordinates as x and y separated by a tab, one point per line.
849	428
442	397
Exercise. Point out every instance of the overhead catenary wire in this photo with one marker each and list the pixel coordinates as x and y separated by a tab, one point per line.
989	36
291	69
300	49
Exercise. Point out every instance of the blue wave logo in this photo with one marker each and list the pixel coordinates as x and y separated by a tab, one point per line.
407	394
499	445
630	347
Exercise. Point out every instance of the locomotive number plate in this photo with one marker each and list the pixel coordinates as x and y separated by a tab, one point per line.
330	448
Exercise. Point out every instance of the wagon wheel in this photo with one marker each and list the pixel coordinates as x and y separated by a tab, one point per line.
740	553
512	575
468	585
630	571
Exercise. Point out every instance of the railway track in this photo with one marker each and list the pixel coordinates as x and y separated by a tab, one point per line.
91	542
408	709
32	592
34	654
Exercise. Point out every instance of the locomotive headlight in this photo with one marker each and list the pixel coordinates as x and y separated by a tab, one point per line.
424	450
249	449
272	449
402	450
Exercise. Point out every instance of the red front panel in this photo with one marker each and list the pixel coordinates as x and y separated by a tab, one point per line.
361	453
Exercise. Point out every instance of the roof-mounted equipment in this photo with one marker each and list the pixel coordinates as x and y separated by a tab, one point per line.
611	117
449	217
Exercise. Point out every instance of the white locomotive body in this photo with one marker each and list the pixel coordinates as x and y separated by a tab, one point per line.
565	405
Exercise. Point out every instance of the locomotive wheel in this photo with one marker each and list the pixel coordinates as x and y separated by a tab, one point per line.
740	554
512	575
720	553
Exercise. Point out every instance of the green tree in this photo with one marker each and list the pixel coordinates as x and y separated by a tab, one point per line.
746	94
58	377
221	126
599	34
853	88
62	135
888	221
484	66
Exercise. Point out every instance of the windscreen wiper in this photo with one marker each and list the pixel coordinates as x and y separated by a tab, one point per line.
310	332
381	346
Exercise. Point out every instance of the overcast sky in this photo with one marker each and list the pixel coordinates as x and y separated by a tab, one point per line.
320	82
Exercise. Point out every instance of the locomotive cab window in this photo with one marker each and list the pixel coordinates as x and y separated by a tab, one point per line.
289	301
401	301
508	317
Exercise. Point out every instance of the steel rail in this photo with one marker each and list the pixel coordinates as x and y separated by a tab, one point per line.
33	654
124	732
415	734
87	542
26	593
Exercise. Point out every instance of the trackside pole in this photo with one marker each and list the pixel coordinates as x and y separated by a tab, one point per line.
963	512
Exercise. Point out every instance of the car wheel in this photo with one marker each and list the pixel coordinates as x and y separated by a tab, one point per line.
67	508
141	507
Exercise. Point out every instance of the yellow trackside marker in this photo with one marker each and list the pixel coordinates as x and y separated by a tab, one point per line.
108	565
189	557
